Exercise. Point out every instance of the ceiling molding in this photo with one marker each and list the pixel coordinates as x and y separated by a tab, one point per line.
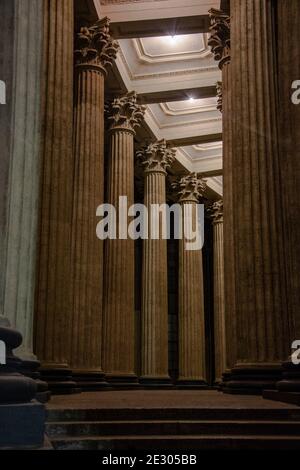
177	95
197	139
133	11
145	55
170	73
216	184
200	108
199	122
187	153
210	165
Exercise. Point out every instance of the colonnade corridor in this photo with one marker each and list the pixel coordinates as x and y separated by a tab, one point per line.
149	234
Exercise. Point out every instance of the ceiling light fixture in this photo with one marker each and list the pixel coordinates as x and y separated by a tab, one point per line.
173	39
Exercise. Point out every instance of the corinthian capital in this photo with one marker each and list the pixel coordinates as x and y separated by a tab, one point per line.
216	212
124	112
157	157
220	36
190	188
94	45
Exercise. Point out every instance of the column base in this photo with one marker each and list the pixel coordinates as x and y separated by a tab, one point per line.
217	385
90	380
156	382
226	377
59	379
22	418
251	379
23	424
288	388
185	384
122	381
29	368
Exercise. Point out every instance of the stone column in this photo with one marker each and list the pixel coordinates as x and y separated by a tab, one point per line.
156	158
22	421
7	18
24	173
24	180
119	307
220	44
53	306
288	36
216	213
95	52
260	278
191	295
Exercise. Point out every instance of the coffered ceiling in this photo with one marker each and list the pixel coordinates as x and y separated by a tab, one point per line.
174	74
144	18
167	63
187	119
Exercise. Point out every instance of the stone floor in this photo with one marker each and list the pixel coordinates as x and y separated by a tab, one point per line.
209	399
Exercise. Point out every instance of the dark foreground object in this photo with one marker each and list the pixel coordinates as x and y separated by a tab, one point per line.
22	418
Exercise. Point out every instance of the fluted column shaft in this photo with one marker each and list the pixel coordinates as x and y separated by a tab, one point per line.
288	63
262	320
124	114
228	202
156	158
6	113
219	294
119	347
24	173
52	332
220	42
288	20
87	250
155	290
192	369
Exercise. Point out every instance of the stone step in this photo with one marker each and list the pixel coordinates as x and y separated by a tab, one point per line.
137	414
178	443
176	427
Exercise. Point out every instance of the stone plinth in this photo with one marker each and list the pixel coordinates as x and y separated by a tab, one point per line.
21	418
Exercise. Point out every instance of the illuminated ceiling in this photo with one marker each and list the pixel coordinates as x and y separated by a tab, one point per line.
174	74
167	63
